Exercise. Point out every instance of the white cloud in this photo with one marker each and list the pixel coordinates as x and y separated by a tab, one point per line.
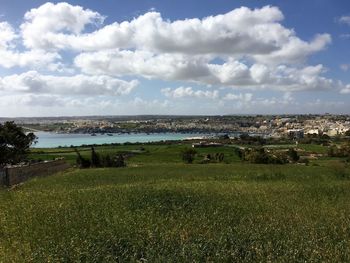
295	50
232	73
155	48
33	59
11	58
7	35
244	49
242	97
49	21
185	92
345	20
34	82
346	89
344	67
241	32
146	64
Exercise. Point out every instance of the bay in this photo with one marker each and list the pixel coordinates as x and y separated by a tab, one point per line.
51	140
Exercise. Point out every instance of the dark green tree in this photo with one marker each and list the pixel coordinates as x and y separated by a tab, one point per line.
14	143
188	155
95	158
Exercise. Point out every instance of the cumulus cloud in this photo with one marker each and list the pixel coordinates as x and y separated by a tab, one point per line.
34	82
244	49
232	73
183	92
61	25
7	35
42	24
295	50
10	57
155	48
33	59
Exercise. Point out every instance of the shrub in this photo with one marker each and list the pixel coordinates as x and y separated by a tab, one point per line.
119	161
304	161
293	155
257	155
106	161
188	155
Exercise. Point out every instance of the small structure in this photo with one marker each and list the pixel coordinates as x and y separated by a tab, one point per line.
204	144
313	132
295	133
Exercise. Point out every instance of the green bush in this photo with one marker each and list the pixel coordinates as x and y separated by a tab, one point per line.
188	155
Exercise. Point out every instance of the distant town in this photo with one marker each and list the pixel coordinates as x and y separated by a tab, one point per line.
295	126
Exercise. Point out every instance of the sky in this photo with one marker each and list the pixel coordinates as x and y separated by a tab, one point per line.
193	57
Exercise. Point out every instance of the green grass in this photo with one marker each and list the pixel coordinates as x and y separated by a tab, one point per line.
167	211
156	154
314	148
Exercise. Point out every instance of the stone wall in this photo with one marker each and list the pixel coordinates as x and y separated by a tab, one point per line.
16	175
2	176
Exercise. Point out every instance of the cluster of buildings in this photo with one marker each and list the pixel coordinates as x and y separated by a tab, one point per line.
296	126
318	126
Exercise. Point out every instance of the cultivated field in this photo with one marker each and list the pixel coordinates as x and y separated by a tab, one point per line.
159	209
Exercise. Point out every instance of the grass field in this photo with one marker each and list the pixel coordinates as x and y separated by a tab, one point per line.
159	153
160	210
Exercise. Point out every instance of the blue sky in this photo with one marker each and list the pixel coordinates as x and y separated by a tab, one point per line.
174	57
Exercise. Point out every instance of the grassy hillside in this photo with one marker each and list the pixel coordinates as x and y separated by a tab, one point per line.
164	211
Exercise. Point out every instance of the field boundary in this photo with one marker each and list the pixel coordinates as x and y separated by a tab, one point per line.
14	175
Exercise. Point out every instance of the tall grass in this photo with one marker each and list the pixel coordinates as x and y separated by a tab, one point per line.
179	213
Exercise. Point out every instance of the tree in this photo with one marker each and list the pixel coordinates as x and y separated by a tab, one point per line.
95	158
14	143
81	161
188	155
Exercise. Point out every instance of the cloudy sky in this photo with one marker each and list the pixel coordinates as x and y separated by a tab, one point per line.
174	57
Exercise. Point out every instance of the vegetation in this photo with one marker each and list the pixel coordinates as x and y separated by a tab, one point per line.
188	155
97	161
95	158
174	212
262	155
14	143
339	150
160	209
81	161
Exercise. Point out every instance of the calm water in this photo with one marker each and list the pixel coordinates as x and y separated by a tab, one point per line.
48	140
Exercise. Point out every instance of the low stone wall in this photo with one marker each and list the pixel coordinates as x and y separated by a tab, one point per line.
16	175
2	176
